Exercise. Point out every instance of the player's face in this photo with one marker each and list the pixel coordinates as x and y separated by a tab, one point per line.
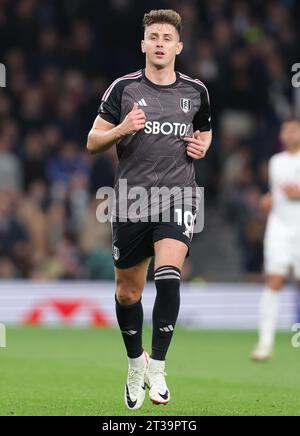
161	44
290	134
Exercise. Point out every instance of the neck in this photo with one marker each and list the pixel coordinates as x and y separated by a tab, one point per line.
163	76
295	149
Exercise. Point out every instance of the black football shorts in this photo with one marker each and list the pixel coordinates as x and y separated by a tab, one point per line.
133	242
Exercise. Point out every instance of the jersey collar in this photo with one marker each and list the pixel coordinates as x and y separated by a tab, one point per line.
154	85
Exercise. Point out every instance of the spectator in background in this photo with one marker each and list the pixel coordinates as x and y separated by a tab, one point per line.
8	269
78	199
31	213
55	224
95	243
34	159
63	166
93	233
14	243
57	56
10	166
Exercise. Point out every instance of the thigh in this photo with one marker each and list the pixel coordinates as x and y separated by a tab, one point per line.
276	282
170	252
172	237
175	224
133	278
132	243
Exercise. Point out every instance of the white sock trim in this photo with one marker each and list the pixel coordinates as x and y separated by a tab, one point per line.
138	362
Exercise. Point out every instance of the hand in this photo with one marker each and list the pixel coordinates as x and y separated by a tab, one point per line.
292	191
265	203
134	121
196	147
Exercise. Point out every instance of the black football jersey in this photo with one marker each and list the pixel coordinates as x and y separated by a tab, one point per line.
156	156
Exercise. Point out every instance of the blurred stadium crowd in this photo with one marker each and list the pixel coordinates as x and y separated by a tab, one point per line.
61	55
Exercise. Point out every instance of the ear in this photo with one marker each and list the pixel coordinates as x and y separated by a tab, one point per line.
179	48
143	46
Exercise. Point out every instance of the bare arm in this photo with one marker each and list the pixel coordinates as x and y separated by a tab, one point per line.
104	134
266	203
292	191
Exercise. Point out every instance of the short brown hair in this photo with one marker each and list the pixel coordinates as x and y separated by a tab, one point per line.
163	16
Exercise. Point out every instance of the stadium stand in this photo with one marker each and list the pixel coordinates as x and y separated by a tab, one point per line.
60	56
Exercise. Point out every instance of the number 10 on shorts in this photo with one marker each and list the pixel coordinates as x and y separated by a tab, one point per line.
187	218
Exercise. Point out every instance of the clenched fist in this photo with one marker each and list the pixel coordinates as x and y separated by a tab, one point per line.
134	121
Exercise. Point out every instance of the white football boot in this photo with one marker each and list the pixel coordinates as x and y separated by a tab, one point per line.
155	379
135	387
262	353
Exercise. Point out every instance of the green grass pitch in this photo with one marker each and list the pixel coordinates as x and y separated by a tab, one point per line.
82	372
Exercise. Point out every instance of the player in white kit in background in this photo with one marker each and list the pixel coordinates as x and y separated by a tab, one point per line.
282	236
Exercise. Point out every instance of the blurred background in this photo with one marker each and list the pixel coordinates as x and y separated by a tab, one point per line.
61	55
55	259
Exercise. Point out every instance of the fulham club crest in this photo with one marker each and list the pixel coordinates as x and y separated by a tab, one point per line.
185	104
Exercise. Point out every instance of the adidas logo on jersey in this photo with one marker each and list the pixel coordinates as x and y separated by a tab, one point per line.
142	102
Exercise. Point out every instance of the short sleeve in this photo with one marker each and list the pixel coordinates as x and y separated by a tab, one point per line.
110	107
202	119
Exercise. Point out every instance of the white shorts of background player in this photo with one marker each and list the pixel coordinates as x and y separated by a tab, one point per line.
282	248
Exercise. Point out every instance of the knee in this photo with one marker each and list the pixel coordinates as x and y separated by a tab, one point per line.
127	293
275	283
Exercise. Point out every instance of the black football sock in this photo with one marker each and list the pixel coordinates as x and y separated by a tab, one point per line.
165	310
130	319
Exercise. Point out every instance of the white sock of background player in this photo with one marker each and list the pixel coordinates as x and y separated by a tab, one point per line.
269	308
